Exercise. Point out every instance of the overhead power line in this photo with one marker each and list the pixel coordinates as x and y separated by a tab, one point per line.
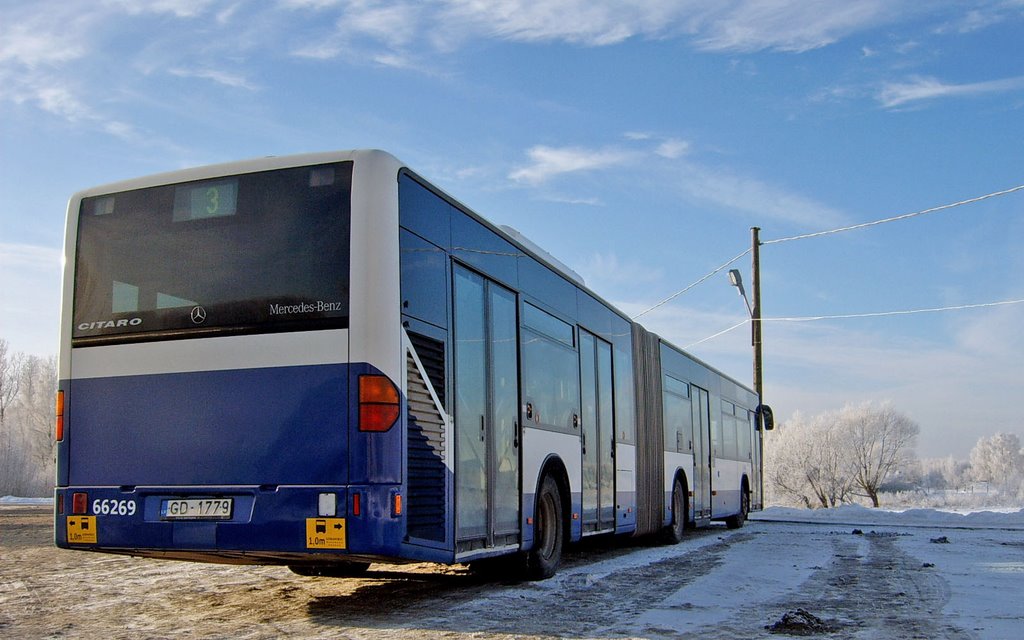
879	314
899	217
876	314
685	289
816	234
720	333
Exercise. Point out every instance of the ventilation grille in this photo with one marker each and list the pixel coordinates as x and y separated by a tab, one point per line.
431	355
426	434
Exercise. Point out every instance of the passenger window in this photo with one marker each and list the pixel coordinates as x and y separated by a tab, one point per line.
551	385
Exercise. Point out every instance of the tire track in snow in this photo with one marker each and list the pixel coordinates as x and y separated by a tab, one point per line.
873	589
593	599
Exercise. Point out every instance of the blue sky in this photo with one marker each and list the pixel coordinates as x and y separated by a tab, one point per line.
636	141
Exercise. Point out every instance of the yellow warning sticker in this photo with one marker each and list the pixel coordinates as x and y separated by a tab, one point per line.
325	533
82	529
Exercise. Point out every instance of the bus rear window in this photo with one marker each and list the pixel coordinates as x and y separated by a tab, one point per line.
251	253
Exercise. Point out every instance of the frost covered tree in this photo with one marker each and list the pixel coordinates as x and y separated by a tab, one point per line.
944	473
36	409
10	378
998	460
804	462
820	462
27	388
878	441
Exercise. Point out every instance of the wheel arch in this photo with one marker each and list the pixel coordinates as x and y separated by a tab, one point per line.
555	467
682	477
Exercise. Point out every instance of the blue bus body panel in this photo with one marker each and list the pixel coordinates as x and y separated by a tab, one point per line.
268	426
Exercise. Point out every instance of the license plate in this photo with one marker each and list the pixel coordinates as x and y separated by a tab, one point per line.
196	509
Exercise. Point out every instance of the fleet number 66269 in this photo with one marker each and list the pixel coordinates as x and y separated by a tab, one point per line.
113	507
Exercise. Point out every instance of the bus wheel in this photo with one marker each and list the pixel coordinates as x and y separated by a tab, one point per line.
736	521
339	570
673	534
548	532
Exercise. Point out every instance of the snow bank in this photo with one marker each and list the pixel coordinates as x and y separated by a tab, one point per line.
857	514
17	500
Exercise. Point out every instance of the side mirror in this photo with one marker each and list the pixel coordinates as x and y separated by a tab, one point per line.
765	416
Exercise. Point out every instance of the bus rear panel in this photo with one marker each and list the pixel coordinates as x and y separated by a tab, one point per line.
210	404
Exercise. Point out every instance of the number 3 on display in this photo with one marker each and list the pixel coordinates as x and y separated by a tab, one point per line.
212	200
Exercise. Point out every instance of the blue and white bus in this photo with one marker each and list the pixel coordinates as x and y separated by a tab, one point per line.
324	361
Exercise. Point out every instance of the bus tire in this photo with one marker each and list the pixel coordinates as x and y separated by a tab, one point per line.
339	570
673	533
736	521
548	532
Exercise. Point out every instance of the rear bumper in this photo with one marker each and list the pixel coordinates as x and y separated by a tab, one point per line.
267	525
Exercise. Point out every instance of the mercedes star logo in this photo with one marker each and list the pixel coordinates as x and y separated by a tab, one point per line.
198	315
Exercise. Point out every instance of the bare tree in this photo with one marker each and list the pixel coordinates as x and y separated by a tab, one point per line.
998	460
878	441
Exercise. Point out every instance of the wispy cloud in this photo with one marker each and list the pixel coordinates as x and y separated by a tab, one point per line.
53	95
309	4
609	272
725	27
179	8
228	79
548	162
920	88
754	196
978	19
29	256
792	26
730	25
32	44
673	148
720	186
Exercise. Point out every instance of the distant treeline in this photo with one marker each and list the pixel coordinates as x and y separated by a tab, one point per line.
28	387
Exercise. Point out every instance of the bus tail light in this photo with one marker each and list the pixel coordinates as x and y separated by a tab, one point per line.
378	403
59	433
79	503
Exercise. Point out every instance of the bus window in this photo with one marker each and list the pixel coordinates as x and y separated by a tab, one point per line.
745	431
551	385
678	416
255	252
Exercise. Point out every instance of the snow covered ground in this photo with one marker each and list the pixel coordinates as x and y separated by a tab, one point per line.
14	500
978	557
844	573
1005	518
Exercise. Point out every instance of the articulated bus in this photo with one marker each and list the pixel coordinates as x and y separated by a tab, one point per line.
323	361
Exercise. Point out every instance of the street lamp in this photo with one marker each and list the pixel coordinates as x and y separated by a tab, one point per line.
737	281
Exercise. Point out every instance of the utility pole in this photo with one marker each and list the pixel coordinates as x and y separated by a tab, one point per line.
755	339
765	421
755	312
